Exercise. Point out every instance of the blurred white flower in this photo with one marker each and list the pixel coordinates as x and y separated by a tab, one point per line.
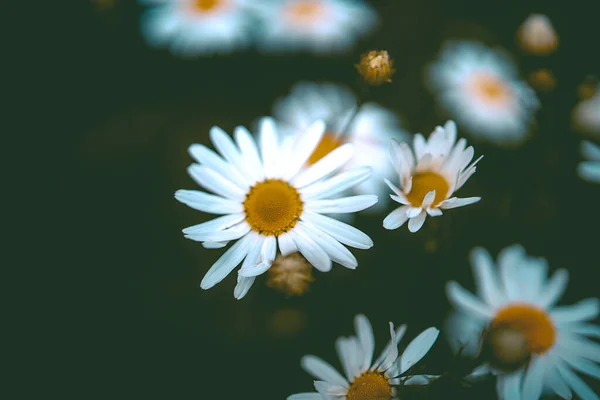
370	130
196	27
479	87
590	169
267	199
320	26
586	115
439	167
531	344
537	35
366	379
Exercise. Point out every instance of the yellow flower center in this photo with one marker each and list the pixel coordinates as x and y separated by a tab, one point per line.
328	143
490	89
272	207
205	5
425	182
305	11
531	322
371	385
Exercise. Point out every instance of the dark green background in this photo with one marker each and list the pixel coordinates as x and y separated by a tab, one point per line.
142	327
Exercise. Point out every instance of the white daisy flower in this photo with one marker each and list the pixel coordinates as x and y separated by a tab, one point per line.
320	26
586	114
370	130
195	27
479	87
365	379
590	170
268	198
428	179
533	345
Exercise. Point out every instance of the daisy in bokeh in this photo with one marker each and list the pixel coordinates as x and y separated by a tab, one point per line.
320	26
439	167
196	27
267	198
365	379
528	342
537	35
369	128
590	169
478	86
586	114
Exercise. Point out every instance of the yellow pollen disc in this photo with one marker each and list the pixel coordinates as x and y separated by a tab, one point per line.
490	89
305	11
328	143
425	182
272	207
532	322
370	386
205	5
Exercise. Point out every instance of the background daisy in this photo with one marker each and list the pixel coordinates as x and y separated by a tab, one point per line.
429	177
195	27
480	89
267	198
366	379
590	169
320	26
369	129
517	299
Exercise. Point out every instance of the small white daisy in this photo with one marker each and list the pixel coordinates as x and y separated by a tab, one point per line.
479	87
532	344
590	169
320	26
428	179
586	114
370	130
365	379
268	198
195	27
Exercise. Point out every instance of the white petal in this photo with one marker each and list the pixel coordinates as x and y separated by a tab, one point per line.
576	383
348	352
340	231
342	205
419	379
336	184
585	329
226	235
334	249
243	286
582	311
458	202
322	370
434	212
364	332
467	302
208	203
582	365
509	386
227	148
215	224
534	378
313	253
554	289
286	244
304	146
264	262
269	147
329	390
589	171
580	346
227	263
556	382
305	396
398	335
210	159
326	165
214	245
418	348
391	352
215	182
428	199
414	224
249	151
396	218
487	283
414	212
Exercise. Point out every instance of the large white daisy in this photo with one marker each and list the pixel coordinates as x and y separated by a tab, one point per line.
320	26
590	169
365	379
479	87
428	179
269	198
369	128
194	27
517	301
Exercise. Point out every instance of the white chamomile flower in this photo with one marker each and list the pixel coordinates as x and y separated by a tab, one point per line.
529	343
320	26
479	87
196	27
267	198
365	379
370	129
590	169
428	179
